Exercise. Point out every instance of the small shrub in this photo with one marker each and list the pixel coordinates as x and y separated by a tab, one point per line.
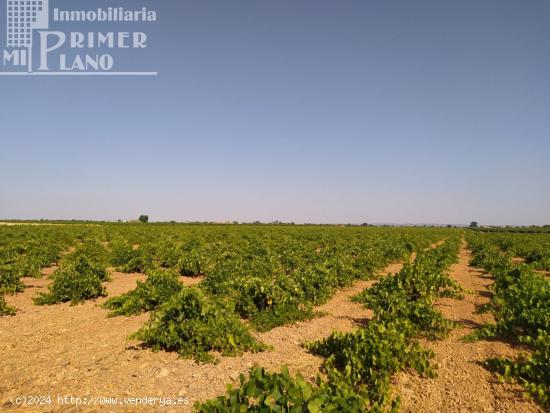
140	263
28	266
5	309
192	325
159	287
30	261
270	303
129	260
189	264
84	265
121	253
279	392
10	282
75	282
281	315
367	358
90	250
532	371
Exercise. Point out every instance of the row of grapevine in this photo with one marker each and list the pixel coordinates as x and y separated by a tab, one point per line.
80	277
358	366
275	275
533	248
521	307
269	275
269	280
25	251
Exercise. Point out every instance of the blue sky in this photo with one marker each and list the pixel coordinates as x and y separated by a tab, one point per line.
306	111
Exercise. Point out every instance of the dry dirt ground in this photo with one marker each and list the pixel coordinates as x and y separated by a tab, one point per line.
65	350
463	385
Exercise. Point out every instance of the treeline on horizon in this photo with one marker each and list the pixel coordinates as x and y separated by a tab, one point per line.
481	228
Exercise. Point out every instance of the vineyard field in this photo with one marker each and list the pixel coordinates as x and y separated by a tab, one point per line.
295	318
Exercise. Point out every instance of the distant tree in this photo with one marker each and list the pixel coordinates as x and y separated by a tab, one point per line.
365	224
144	218
449	226
473	224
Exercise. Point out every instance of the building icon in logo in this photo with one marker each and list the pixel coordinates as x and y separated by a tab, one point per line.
23	17
28	29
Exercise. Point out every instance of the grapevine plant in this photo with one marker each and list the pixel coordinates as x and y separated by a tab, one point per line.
193	325
4	308
160	286
79	279
10	282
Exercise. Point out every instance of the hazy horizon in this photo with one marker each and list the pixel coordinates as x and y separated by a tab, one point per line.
276	222
312	111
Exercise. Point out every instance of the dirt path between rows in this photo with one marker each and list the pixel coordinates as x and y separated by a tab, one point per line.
463	385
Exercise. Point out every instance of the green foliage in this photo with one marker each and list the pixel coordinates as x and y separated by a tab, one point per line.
80	263
281	315
279	392
193	324
76	281
10	282
270	303
121	252
276	283
410	293
268	274
521	303
521	307
159	287
367	358
90	250
34	257
129	259
189	263
534	248
4	308
483	332
144	219
139	263
532	371
488	256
